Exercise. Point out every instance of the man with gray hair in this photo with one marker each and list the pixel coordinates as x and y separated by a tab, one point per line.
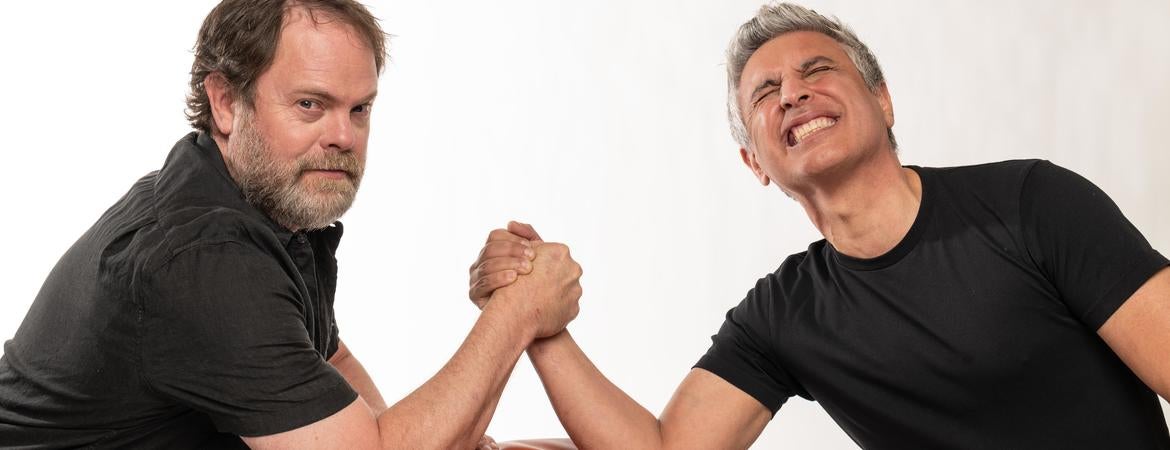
1006	305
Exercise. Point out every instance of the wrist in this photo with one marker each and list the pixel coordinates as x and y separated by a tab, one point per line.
543	345
510	314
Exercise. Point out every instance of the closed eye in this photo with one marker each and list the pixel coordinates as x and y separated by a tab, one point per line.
764	96
816	70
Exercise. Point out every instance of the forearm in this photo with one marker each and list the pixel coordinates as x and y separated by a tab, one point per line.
485	416
451	410
594	412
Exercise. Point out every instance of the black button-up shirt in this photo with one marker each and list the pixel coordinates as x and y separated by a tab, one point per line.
183	317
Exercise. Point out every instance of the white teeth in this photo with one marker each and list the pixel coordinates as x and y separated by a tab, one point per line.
801	132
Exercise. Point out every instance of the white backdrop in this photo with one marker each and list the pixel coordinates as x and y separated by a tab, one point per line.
601	122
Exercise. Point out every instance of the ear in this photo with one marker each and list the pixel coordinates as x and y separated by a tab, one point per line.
749	159
219	96
883	94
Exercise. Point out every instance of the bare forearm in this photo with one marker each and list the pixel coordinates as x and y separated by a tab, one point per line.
485	416
593	410
451	410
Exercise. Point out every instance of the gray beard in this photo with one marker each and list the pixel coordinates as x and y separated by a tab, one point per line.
277	189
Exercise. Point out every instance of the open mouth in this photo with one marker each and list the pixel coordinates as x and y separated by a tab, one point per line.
798	134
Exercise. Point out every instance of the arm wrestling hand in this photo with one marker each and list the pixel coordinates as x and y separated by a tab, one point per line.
506	255
547	297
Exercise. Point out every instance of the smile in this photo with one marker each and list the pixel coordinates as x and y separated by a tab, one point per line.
802	132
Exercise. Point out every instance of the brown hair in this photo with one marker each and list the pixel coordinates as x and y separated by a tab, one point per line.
238	40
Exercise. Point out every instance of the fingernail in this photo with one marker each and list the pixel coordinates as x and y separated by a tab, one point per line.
529	253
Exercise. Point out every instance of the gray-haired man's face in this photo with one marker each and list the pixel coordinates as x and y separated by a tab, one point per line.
808	112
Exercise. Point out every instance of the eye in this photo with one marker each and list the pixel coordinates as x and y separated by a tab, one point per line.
765	96
362	109
816	70
306	104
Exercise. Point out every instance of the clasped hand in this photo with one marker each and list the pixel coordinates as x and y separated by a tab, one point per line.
521	273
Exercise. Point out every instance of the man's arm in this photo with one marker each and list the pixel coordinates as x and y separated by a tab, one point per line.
705	412
448	410
1139	332
355	374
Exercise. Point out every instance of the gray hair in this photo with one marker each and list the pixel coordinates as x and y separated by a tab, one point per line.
776	19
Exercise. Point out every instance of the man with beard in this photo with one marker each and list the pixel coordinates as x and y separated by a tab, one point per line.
1005	305
198	310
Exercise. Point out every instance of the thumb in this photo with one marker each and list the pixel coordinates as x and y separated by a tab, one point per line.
523	230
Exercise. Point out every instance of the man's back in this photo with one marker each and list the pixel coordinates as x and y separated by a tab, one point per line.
105	354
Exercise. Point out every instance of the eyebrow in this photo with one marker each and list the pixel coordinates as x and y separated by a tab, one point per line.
332	99
804	66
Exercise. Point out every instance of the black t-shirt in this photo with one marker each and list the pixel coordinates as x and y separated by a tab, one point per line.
182	318
977	330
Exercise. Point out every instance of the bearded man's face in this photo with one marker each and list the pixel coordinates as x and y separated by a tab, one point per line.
298	144
310	191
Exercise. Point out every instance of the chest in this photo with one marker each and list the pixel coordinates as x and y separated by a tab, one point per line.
956	321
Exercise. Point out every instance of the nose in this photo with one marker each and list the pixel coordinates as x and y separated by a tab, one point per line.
794	93
339	134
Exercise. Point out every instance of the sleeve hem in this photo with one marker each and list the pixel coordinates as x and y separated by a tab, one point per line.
1139	273
295	416
771	400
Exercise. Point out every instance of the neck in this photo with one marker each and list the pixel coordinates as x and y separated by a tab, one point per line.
866	212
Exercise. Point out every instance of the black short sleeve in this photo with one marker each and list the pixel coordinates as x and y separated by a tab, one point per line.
1079	238
739	352
225	334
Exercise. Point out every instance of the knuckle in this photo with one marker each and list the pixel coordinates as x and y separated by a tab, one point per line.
500	278
497	234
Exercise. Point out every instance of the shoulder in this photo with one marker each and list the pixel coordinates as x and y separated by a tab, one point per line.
980	194
200	237
795	268
1009	168
209	230
1003	178
1047	176
217	271
792	280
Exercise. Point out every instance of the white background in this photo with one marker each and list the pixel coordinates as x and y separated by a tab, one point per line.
601	122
